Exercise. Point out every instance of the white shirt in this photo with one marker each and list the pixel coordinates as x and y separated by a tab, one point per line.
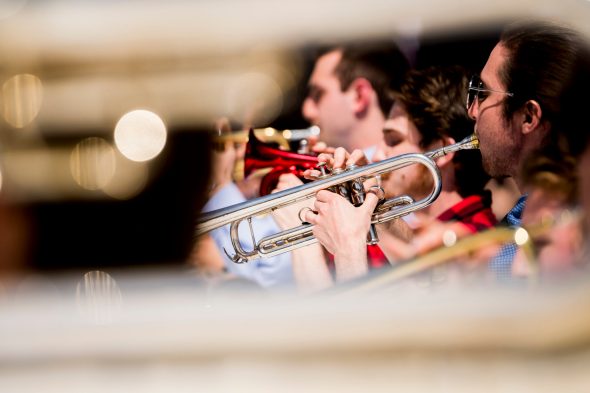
267	272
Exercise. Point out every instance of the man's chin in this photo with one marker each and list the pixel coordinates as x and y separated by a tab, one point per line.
494	173
492	170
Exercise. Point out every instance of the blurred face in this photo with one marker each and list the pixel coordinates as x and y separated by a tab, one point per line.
584	193
401	136
557	250
326	105
500	141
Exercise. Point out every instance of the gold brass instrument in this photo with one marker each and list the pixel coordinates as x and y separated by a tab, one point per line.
495	236
302	235
269	135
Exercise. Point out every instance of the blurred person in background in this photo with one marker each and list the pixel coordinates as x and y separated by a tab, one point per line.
224	191
428	113
551	182
348	93
348	99
575	138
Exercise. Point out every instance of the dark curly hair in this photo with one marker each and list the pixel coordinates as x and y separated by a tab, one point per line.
542	62
434	99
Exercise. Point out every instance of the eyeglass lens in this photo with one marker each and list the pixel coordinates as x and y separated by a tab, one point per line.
475	84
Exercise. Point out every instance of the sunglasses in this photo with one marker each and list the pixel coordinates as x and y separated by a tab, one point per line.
477	90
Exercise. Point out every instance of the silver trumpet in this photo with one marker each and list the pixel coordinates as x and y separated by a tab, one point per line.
302	235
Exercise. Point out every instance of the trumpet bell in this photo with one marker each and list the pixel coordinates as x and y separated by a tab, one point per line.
260	155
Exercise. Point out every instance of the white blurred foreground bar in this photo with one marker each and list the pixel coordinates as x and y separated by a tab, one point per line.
164	334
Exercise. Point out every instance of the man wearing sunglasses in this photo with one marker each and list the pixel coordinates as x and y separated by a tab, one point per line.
516	103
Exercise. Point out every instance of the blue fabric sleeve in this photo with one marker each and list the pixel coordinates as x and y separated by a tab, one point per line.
272	272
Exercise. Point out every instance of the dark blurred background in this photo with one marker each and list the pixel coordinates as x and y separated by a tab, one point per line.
154	227
70	71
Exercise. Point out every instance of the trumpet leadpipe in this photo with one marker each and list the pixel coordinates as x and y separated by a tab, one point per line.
268	134
300	134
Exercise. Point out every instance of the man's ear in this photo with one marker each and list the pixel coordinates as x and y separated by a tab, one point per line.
531	116
363	94
443	161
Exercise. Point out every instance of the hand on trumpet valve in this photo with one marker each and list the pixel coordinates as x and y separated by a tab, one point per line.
339	160
342	229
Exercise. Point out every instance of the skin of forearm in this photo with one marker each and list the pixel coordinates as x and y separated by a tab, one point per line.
351	262
310	269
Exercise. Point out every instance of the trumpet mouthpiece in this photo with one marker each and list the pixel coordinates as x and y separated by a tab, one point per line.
474	140
469	143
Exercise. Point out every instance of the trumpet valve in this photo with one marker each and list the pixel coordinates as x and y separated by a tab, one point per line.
342	188
322	167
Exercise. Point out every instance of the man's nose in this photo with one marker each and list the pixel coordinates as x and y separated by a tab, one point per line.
309	110
473	110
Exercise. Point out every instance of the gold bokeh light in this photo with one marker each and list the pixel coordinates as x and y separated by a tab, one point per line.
22	96
521	236
92	163
140	135
449	238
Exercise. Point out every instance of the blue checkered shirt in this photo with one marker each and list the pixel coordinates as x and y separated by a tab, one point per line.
501	264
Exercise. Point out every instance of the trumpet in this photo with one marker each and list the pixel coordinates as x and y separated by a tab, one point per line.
268	135
260	155
302	235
